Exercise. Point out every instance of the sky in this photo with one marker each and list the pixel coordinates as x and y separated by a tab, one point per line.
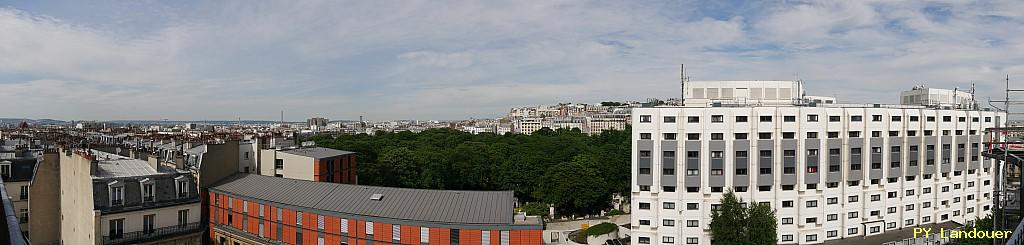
410	59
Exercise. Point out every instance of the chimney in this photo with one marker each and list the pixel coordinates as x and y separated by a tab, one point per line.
153	163
94	166
179	162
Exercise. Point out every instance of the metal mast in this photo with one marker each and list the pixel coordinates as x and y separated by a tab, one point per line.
682	83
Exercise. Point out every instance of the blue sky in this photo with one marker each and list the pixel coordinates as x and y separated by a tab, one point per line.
196	60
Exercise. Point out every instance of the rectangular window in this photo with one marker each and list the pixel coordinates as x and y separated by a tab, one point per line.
669	119
645	118
454	236
116	195
148	223
741	119
116	228
182	217
692	119
24	192
717	118
182	188
812	118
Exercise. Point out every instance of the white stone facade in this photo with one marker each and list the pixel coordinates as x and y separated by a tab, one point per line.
916	166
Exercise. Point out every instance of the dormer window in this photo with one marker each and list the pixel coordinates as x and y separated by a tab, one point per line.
5	169
148	190
116	192
181	184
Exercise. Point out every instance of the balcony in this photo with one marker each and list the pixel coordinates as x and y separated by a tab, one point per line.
156	234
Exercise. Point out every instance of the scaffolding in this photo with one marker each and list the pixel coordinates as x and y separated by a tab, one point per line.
1004	144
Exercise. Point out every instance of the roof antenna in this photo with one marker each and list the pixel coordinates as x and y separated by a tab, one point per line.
683	79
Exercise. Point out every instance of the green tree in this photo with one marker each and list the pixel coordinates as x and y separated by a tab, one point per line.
734	224
399	163
761	224
573	187
981	224
728	222
452	159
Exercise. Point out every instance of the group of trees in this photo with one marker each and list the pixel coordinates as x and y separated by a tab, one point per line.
981	224
575	172
734	223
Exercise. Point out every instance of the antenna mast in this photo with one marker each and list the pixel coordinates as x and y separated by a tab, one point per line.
683	79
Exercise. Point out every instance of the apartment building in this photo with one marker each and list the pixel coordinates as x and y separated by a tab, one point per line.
309	163
832	172
255	209
606	121
106	198
16	171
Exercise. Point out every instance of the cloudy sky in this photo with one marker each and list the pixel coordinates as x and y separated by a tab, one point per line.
196	60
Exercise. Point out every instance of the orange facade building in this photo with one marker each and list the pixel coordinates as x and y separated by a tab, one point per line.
254	209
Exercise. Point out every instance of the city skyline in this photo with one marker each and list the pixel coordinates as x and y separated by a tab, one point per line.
420	60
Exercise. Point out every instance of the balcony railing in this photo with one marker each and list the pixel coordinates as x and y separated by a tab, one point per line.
156	234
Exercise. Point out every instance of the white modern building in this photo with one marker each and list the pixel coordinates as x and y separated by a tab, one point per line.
921	95
832	172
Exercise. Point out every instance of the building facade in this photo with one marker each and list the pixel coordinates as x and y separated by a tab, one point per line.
16	171
830	171
126	200
255	209
310	163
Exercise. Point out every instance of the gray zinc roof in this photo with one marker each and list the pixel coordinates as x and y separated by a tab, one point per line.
417	205
318	152
115	166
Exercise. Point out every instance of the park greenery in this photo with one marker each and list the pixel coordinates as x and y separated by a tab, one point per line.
575	172
734	223
599	229
980	224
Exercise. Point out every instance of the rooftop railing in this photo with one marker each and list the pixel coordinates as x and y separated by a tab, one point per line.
155	234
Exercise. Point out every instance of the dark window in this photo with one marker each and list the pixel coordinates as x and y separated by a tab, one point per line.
455	237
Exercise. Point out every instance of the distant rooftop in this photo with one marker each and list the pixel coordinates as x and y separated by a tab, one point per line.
487	208
318	152
116	166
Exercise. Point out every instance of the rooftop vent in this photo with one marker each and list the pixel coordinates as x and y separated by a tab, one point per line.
377	197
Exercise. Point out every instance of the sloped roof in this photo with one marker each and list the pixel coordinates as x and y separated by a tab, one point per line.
423	205
317	152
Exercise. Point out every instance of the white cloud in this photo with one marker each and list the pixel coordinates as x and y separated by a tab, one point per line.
440	60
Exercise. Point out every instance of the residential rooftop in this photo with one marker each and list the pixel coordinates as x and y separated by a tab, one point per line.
360	201
317	152
111	165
